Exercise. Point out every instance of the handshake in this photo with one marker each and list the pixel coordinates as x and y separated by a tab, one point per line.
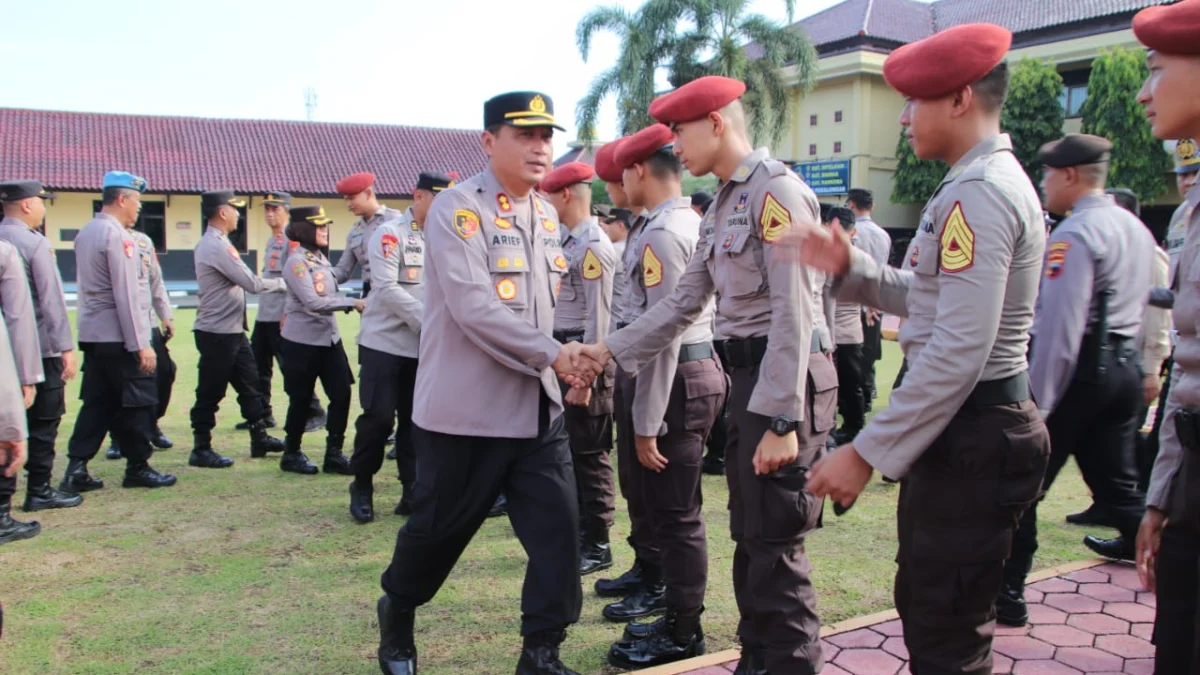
579	365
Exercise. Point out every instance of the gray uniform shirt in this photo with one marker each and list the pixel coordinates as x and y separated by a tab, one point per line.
312	298
622	304
1100	247
391	322
275	254
45	286
152	293
847	315
619	283
585	299
357	241
1185	374
1177	234
490	281
224	281
13	426
106	272
967	287
761	291
874	240
19	316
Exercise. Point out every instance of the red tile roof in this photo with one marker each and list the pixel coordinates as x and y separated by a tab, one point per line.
72	151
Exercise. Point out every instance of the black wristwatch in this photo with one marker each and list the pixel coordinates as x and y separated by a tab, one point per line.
782	426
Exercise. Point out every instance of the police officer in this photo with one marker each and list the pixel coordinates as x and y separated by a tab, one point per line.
584	314
225	356
878	244
311	343
387	349
119	389
486	329
1187	169
13	433
848	336
1085	365
24	211
962	432
1168	543
618	222
359	192
783	397
264	339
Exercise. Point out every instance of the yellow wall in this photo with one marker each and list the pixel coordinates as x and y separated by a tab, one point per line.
71	210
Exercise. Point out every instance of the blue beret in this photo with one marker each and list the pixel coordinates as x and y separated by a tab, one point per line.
124	179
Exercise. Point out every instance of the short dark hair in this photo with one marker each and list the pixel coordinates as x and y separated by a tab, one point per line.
1127	200
623	216
992	89
842	214
111	194
862	198
664	165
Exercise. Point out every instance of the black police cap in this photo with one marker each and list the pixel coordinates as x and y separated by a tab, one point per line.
312	215
278	198
211	200
16	190
434	182
520	109
1075	150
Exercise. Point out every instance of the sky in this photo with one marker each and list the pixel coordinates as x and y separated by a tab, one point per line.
418	63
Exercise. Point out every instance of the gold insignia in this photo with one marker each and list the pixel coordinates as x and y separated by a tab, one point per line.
652	269
502	263
1056	259
549	226
1186	152
319	276
518	262
537	204
742	173
537	105
958	242
592	269
412	273
466	222
560	262
502	223
506	289
775	219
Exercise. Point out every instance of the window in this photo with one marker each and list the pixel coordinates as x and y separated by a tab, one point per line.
837	116
812	120
837	147
152	221
812	149
1074	92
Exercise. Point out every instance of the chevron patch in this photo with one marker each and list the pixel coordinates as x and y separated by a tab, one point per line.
775	219
958	242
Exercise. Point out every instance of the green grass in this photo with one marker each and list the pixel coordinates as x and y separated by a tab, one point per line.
250	570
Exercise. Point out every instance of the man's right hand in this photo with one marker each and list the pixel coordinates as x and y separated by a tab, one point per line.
825	249
147	360
70	367
577	364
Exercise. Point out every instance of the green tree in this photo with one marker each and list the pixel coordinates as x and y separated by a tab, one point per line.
1112	111
916	179
1033	115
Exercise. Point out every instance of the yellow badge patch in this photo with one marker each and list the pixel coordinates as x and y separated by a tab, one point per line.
592	269
503	263
652	268
506	289
560	262
412	273
549	225
958	242
1056	259
502	223
518	262
466	222
775	219
537	204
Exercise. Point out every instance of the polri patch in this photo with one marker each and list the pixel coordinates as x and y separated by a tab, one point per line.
466	223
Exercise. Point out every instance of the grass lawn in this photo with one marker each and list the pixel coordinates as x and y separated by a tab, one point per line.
250	570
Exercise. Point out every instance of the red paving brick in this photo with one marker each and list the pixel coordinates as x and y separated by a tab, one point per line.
1096	621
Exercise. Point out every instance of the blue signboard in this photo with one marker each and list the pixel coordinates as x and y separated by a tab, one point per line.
826	178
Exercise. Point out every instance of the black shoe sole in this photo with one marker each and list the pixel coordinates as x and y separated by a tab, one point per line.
614	660
626	618
71	490
27	534
300	471
200	465
28	508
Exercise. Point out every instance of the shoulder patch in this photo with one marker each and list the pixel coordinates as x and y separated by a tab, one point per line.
390	244
128	247
1056	259
652	268
958	242
299	269
592	269
466	223
775	219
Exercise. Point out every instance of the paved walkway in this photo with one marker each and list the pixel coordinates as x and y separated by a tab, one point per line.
1088	618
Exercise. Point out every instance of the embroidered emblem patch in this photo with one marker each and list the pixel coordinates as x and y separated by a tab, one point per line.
958	242
652	269
742	202
503	203
592	269
466	223
775	219
390	244
506	289
502	223
1056	259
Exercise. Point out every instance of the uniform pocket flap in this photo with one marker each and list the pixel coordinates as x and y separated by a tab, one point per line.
703	383
822	379
734	242
556	261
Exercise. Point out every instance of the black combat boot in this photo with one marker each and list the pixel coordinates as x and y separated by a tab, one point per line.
539	654
114	449
649	598
42	497
261	442
623	585
160	440
268	422
335	461
295	461
405	507
203	456
679	638
751	662
1010	603
397	649
76	479
13	530
595	554
362	500
143	476
499	507
640	631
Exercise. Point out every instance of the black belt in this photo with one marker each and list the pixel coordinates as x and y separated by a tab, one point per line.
1014	389
566	336
749	353
696	352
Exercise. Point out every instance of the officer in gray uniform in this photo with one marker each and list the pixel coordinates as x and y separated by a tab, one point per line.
848	336
225	356
312	345
388	344
584	314
486	329
1085	364
119	388
359	192
13	433
264	339
24	211
878	244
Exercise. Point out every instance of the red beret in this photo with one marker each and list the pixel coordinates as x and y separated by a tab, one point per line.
1170	29
696	99
355	183
566	176
639	147
606	165
948	61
